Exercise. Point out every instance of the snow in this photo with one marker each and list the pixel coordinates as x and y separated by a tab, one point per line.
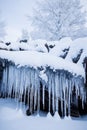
31	46
43	76
30	66
75	48
64	43
72	47
34	67
12	119
2	46
36	59
37	45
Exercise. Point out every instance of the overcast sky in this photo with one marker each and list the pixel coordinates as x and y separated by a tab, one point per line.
15	14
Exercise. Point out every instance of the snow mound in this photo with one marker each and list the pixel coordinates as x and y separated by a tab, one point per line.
60	46
49	116
56	116
36	59
78	50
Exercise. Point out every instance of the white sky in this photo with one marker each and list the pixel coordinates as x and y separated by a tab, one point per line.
14	13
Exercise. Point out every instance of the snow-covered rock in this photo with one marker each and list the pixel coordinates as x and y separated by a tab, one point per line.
36	59
38	77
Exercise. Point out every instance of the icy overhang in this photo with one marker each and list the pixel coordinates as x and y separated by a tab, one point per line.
41	60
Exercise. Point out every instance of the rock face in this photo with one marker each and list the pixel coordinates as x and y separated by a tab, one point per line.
62	92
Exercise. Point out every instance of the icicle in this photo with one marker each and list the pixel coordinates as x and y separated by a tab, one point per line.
32	89
64	92
38	85
49	88
64	88
43	95
83	92
17	82
36	90
25	82
4	87
24	86
20	100
3	84
10	80
61	95
53	93
34	96
33	80
82	96
76	88
69	104
6	84
57	92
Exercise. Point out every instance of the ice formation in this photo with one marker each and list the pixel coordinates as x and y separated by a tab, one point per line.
25	85
43	80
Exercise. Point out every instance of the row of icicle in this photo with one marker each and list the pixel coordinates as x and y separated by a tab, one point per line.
59	85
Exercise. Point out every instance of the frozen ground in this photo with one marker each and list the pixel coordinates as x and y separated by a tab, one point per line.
13	119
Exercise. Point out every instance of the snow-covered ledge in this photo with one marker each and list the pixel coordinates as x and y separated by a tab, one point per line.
42	81
37	60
